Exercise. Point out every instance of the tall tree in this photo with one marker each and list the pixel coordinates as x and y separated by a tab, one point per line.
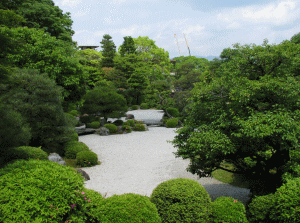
108	51
138	82
248	117
127	47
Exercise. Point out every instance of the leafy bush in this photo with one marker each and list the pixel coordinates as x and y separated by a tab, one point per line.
73	137
181	200
95	125
138	122
172	123
126	128
139	127
131	122
259	208
134	107
227	209
173	112
74	147
88	118
127	208
86	158
112	128
118	122
24	152
74	113
144	106
94	200
40	190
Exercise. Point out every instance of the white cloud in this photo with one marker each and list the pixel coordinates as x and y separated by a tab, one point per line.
79	14
71	3
234	25
193	29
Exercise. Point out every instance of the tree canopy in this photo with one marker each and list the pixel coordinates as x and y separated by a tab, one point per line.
108	51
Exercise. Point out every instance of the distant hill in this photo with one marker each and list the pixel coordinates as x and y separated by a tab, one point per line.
210	58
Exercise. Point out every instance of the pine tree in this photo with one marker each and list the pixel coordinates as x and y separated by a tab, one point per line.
127	47
108	51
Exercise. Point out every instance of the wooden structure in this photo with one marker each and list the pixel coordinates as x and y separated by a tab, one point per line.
88	47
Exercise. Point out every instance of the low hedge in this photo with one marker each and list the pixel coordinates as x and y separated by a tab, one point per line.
111	127
134	107
24	152
172	123
74	147
139	127
86	158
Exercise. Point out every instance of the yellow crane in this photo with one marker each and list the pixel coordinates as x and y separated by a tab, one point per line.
187	45
177	44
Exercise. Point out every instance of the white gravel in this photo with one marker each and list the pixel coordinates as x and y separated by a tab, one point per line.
139	161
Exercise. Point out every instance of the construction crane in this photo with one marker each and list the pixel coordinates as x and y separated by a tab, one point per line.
187	45
177	44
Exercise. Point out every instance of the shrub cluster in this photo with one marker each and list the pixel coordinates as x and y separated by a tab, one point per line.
172	123
173	112
86	158
130	122
126	128
134	107
95	125
74	147
74	113
144	106
118	122
139	127
24	152
111	127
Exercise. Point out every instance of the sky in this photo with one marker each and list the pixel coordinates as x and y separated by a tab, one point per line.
209	26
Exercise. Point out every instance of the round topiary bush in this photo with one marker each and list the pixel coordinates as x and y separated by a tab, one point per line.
227	209
127	208
181	200
86	158
24	152
139	127
131	122
259	208
74	113
74	147
95	125
144	106
172	123
118	122
134	107
173	112
40	191
73	137
111	127
126	128
94	200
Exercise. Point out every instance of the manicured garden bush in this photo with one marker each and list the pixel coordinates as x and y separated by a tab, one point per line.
126	208
181	200
227	209
74	113
131	122
94	200
139	127
259	208
134	107
86	158
88	118
73	137
172	123
40	191
118	122
95	125
173	112
144	106
74	147
111	127
126	128
24	152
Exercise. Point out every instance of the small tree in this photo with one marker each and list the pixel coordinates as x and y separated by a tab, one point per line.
106	101
138	83
108	51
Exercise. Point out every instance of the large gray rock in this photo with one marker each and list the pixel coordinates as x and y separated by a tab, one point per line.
129	116
102	131
83	173
119	130
54	157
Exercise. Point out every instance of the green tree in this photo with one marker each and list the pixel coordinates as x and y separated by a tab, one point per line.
108	51
44	15
105	100
127	47
296	38
138	82
38	99
248	117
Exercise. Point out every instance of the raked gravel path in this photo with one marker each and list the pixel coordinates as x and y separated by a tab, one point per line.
139	161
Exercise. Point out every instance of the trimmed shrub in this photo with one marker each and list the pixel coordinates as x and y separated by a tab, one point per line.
95	125
127	208
131	122
126	128
74	147
40	191
227	209
259	208
111	127
173	112
94	200
118	122
172	123
144	106
88	118
25	153
181	200
86	158
134	107
74	113
73	137
139	127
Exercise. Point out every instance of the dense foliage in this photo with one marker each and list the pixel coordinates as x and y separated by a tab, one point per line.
86	158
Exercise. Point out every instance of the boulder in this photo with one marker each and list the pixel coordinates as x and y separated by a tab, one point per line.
102	122
83	173
81	127
102	131
85	131
129	116
119	130
54	157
